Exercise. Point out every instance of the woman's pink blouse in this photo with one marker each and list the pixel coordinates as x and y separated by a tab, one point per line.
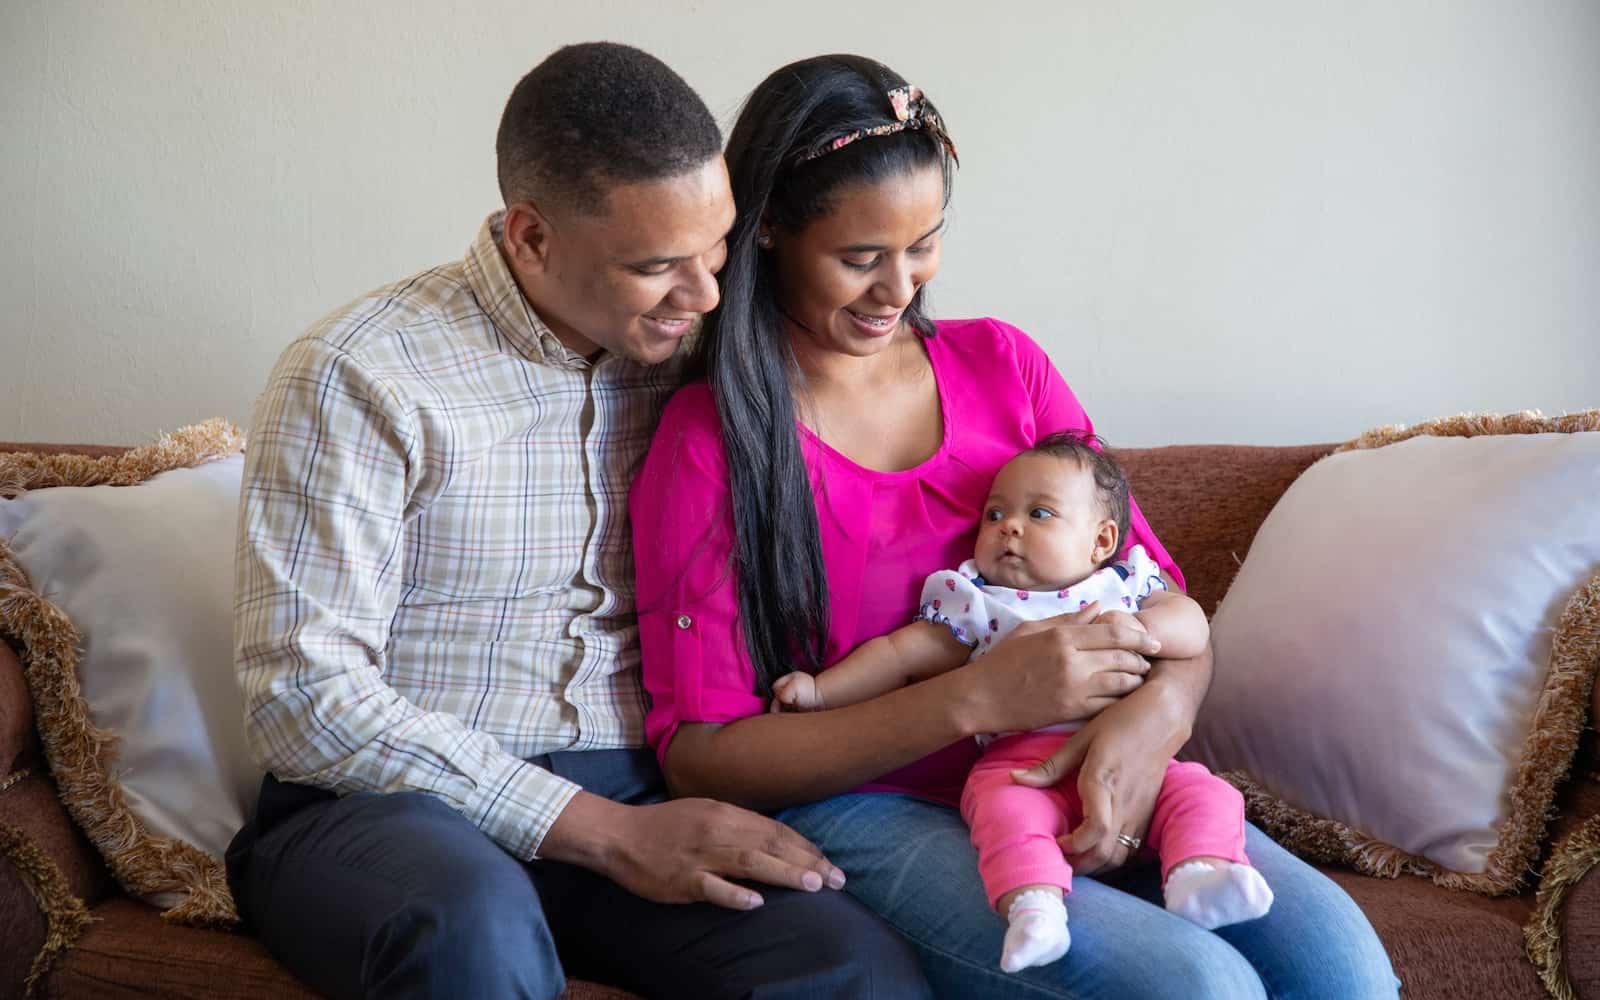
882	533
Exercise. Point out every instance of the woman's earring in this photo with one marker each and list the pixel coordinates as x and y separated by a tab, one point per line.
764	241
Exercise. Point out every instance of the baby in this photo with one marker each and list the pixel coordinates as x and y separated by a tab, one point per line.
1055	519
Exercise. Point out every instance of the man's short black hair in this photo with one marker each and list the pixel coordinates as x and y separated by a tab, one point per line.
594	115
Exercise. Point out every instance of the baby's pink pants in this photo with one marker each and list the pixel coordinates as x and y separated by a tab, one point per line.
1015	827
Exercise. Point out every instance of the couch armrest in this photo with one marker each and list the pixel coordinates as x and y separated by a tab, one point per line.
1563	932
41	850
1580	923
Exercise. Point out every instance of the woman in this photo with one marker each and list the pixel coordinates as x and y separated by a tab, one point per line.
790	508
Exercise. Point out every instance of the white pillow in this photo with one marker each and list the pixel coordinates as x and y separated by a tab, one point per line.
1384	657
145	572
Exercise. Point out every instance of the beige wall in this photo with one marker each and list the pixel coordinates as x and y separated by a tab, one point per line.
1246	221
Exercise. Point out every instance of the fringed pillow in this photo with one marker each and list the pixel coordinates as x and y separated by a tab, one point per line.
1404	661
116	586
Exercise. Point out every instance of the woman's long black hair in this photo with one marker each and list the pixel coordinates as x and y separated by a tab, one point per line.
744	350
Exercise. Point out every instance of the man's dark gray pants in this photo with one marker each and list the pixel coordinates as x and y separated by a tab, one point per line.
391	895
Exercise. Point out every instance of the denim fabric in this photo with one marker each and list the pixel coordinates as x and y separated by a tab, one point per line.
913	863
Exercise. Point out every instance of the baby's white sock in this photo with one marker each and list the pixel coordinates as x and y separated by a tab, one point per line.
1213	896
1037	934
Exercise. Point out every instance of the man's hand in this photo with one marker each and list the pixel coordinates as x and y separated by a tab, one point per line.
796	692
687	850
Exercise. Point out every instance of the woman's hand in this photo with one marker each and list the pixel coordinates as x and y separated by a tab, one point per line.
1121	757
1057	670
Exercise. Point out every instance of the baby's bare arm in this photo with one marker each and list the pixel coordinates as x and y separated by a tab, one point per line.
1177	622
913	653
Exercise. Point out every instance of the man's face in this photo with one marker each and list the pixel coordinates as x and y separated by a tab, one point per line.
633	279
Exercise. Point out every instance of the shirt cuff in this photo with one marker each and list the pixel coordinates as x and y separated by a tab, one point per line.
520	804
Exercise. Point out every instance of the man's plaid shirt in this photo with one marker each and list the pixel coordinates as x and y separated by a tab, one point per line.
435	575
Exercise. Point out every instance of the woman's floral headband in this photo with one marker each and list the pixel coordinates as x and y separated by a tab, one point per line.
910	111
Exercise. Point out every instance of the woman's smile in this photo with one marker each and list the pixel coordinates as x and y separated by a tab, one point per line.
876	326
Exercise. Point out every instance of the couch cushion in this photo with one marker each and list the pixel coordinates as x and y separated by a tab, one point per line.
1446	945
131	952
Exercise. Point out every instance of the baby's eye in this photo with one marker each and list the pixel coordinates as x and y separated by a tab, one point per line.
1040	513
992	514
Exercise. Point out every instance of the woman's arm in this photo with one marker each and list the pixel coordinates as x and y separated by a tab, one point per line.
1125	758
1122	755
1061	670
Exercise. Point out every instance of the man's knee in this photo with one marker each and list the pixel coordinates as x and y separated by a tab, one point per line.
480	940
849	951
394	895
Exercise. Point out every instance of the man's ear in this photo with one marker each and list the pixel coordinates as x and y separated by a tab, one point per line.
1105	541
526	238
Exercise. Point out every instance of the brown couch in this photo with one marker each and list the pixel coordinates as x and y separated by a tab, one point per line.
1206	502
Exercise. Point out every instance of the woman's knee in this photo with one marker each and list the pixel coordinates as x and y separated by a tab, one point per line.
1316	941
1212	970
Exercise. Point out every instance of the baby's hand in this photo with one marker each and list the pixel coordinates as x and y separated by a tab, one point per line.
796	692
1114	617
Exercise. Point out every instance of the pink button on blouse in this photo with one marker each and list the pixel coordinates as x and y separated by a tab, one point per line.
882	533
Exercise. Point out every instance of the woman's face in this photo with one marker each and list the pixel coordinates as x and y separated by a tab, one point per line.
846	278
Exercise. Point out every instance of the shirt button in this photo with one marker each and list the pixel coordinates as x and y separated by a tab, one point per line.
684	621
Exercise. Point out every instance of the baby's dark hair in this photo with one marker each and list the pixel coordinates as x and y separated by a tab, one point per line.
1111	484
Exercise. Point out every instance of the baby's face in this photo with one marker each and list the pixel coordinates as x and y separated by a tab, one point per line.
1042	526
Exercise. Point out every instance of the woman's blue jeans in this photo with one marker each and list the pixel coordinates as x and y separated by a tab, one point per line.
912	863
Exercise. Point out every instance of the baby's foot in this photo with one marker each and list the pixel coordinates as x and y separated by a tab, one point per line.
1037	934
1216	894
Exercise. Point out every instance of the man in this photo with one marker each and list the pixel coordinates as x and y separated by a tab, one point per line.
435	629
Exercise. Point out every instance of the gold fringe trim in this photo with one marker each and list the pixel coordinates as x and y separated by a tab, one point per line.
1572	859
21	471
1317	839
64	914
1553	738
81	754
1478	425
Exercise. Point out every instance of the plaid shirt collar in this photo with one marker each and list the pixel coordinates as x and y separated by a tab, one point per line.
497	291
